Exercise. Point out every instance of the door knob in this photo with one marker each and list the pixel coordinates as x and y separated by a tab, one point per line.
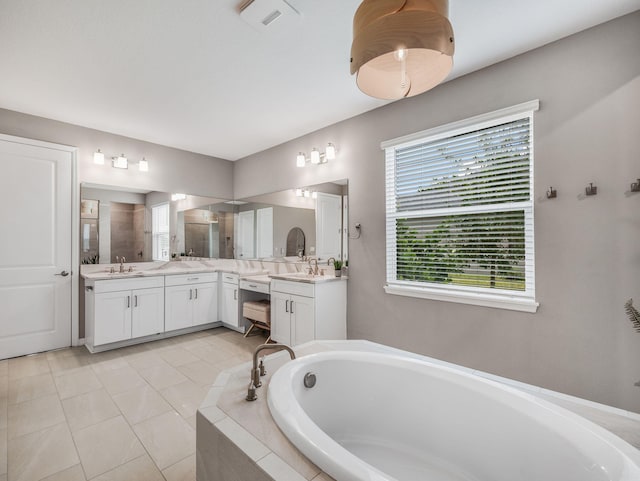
63	274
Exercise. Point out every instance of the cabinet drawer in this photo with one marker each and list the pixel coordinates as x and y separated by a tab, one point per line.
297	288
128	284
254	286
231	278
195	278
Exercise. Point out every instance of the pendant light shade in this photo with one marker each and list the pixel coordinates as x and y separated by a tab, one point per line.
401	48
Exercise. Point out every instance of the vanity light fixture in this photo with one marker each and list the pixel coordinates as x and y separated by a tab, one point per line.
98	157
316	157
120	161
175	197
401	48
306	193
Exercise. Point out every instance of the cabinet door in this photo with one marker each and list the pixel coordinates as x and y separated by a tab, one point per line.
229	308
178	307
280	318
112	317
147	316
302	320
205	303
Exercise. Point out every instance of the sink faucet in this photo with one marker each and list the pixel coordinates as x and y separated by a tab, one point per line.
258	371
330	259
121	260
313	270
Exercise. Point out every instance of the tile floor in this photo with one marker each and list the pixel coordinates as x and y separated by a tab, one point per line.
126	414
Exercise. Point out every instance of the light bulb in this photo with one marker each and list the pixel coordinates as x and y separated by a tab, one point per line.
98	157
120	162
307	193
298	192
300	160
144	165
315	156
400	54
330	153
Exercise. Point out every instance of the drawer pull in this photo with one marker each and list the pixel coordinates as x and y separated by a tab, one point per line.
193	279
291	307
235	294
253	285
135	301
128	302
286	306
196	293
190	294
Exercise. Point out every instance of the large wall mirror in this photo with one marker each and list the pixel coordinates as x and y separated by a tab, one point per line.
297	222
143	226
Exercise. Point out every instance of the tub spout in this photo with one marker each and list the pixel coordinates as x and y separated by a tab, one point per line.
257	371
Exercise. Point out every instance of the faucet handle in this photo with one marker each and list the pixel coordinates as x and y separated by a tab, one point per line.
263	371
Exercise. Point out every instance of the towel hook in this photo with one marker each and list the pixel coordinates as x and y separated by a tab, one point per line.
635	186
552	193
591	189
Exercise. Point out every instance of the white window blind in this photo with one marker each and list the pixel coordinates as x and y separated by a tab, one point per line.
460	211
160	232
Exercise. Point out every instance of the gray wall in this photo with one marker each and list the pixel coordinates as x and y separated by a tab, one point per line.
170	170
587	249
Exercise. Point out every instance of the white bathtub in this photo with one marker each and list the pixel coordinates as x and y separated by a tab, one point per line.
374	417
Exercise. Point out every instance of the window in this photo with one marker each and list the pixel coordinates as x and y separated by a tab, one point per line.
460	211
160	232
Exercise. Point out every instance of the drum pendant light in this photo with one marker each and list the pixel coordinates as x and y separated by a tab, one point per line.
401	48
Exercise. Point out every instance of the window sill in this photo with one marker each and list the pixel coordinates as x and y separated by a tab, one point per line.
497	301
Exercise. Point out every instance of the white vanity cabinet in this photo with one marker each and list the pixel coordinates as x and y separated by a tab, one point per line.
229	311
302	312
122	309
190	300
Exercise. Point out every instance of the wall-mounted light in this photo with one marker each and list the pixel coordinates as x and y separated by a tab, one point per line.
175	197
121	161
316	157
98	157
306	193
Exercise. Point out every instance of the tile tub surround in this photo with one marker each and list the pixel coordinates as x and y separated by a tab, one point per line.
126	414
238	440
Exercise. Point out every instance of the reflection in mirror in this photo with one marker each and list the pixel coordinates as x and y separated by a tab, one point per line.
89	231
137	225
319	212
207	231
295	242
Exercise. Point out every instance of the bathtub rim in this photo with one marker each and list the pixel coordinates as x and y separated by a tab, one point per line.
324	451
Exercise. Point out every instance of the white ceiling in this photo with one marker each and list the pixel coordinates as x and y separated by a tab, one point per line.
193	74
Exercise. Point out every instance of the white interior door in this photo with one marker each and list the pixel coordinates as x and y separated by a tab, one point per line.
328	226
35	246
246	235
264	232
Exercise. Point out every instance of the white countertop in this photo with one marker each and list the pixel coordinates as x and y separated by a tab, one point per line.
262	273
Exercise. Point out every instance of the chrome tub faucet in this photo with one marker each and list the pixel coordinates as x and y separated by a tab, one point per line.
259	370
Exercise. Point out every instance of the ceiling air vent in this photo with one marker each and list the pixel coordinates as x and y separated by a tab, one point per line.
268	14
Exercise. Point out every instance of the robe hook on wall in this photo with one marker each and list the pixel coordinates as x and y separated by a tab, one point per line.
552	193
591	189
635	186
